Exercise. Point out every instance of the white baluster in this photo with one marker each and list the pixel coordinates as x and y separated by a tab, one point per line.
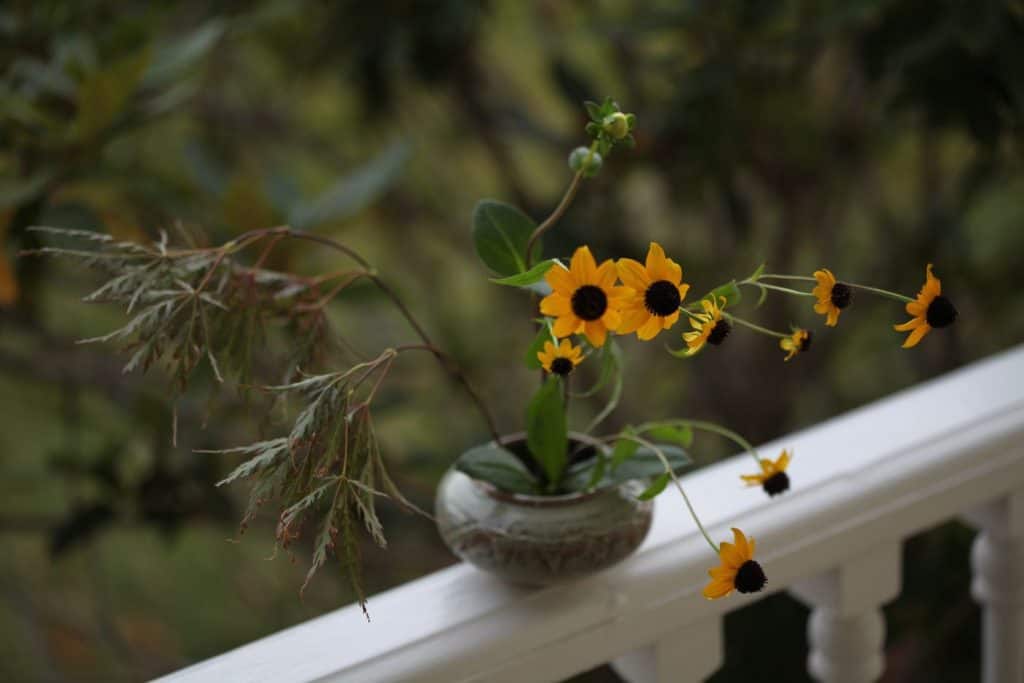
685	655
997	560
846	630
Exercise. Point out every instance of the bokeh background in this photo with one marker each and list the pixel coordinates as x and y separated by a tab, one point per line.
871	136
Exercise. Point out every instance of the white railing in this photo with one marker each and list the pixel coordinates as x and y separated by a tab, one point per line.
862	483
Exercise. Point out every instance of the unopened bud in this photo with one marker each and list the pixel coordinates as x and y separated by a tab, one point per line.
585	160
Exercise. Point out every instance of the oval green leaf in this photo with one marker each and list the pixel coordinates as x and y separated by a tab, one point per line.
497	466
500	235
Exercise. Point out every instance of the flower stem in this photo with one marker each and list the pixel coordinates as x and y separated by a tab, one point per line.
563	205
675	480
875	290
756	328
786	290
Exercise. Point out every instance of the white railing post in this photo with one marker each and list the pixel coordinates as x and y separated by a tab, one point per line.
846	630
997	561
686	655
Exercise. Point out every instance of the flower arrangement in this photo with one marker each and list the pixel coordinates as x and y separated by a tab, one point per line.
197	304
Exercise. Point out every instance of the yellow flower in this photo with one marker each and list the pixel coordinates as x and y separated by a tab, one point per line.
832	296
562	359
658	290
709	326
773	477
737	570
795	343
930	309
585	299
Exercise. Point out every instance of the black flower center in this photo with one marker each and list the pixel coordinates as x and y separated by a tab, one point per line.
805	343
750	578
561	366
720	331
662	298
776	484
842	295
589	303
941	312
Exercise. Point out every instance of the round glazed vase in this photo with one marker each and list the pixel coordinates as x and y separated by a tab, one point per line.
540	540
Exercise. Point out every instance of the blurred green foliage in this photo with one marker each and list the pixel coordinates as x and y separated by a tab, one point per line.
871	137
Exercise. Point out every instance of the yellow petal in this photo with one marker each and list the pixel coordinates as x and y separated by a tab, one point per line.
561	280
683	289
909	325
631	320
607	274
611	319
596	333
916	336
932	284
650	329
742	546
783	462
657	268
669	320
566	325
556	304
633	274
730	554
583	266
718	589
673	271
833	317
753	479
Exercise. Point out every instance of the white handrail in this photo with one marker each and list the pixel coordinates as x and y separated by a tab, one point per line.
867	479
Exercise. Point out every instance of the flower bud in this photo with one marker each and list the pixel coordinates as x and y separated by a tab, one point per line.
616	125
586	161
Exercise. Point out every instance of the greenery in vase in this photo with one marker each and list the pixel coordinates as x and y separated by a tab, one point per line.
192	304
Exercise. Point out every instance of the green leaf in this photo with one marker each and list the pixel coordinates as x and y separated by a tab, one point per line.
104	95
678	434
495	465
624	449
172	61
656	487
757	273
645	463
729	290
532	276
536	346
350	194
500	235
546	432
594	111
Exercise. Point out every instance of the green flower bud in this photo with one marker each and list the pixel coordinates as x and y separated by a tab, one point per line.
582	159
616	125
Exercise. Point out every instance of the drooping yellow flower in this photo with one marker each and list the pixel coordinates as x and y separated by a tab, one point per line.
585	299
737	571
773	477
709	327
658	289
833	296
930	309
796	343
560	360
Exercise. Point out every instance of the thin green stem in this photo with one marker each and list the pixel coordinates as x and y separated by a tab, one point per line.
550	221
787	290
675	480
714	429
874	290
756	328
882	292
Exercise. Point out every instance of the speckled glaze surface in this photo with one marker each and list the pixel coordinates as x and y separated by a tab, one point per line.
540	540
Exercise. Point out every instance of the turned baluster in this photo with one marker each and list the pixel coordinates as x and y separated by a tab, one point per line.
846	630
